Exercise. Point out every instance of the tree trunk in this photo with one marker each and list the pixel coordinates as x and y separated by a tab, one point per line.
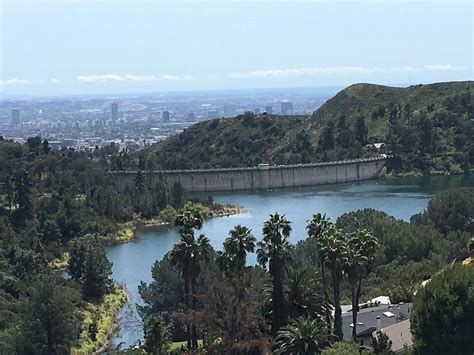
355	309
326	295
49	342
359	286
336	277
188	305
278	302
194	344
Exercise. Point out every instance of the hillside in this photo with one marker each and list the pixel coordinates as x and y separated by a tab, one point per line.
428	128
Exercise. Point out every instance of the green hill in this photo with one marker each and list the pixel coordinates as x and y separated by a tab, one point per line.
428	128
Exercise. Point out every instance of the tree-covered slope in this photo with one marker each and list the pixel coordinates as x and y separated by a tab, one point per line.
428	128
377	103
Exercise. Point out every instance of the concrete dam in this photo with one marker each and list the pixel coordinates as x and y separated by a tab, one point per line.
263	176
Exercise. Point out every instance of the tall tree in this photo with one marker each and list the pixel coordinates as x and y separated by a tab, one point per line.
22	198
326	141
332	249
233	258
9	191
188	255
50	321
188	219
275	249
361	130
97	271
315	228
357	258
88	263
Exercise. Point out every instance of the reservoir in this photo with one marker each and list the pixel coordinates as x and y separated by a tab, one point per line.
400	198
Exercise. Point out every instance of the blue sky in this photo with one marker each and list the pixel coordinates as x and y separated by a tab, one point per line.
71	47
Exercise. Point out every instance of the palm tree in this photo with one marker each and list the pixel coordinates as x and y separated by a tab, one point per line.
299	287
303	335
332	250
188	255
188	220
233	258
275	249
315	228
357	258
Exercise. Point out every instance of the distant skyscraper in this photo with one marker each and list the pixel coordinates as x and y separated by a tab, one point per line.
269	109
16	116
114	111
286	108
256	110
166	116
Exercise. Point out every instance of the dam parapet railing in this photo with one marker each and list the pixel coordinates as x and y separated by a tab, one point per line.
256	167
263	176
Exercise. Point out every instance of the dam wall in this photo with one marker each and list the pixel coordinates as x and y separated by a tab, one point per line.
262	176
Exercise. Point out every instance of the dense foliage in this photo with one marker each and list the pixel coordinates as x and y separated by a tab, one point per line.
241	309
57	208
444	309
427	128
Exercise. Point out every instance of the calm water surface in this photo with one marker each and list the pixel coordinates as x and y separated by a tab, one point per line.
400	198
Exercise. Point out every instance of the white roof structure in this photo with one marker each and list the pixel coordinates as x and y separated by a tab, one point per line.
381	300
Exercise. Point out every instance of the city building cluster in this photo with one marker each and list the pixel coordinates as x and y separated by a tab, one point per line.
133	122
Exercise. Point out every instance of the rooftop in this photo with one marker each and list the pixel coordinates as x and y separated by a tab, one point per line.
367	318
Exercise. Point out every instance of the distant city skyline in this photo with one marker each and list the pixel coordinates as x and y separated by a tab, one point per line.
69	47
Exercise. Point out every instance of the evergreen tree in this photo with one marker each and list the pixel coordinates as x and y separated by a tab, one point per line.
50	321
23	199
177	195
88	262
443	310
97	271
361	130
157	335
326	141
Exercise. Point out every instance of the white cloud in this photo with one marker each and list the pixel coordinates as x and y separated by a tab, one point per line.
96	78
21	82
347	70
15	81
446	67
141	77
116	77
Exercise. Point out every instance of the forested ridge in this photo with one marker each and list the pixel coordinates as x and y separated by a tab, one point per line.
428	129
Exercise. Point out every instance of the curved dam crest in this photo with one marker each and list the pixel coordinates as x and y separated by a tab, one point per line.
263	176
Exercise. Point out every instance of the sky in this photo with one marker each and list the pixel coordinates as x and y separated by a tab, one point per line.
61	47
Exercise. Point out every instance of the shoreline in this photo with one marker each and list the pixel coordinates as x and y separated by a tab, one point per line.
128	230
107	323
